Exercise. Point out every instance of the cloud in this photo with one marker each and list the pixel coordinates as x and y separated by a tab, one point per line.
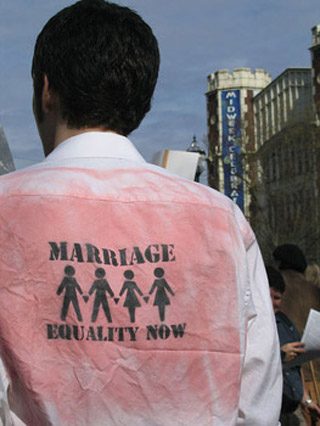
196	38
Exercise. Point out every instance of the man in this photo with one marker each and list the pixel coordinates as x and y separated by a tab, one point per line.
301	295
209	359
295	394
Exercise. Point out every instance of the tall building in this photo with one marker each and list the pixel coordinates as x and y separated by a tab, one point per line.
231	130
6	160
285	140
315	60
264	149
284	102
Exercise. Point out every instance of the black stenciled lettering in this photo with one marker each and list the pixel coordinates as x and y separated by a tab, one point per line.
123	257
110	334
169	252
120	333
100	334
110	257
93	254
58	252
136	256
52	331
91	334
165	253
152	332
78	332
152	253
132	331
64	331
106	256
178	330
113	258
89	253
77	253
164	331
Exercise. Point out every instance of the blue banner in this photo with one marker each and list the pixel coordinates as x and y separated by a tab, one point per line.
231	146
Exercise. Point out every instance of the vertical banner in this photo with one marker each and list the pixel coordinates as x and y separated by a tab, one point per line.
231	146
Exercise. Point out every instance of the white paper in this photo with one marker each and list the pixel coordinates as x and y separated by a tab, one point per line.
311	339
183	163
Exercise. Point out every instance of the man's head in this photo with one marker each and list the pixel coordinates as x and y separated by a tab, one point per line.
100	61
290	256
277	287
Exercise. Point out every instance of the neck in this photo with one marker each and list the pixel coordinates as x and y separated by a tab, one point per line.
63	132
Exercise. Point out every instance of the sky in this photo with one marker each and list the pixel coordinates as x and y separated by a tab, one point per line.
196	38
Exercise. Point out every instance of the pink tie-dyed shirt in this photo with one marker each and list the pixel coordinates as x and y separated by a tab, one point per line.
130	296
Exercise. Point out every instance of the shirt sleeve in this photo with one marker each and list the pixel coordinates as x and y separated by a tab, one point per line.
261	381
5	416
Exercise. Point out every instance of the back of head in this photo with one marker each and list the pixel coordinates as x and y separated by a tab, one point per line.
290	256
102	61
275	279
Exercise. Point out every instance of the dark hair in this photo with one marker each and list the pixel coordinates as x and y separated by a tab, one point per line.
275	279
102	61
290	256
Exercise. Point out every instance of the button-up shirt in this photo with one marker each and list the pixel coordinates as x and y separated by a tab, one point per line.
129	295
292	380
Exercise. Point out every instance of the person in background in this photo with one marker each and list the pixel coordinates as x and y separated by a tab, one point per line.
295	395
210	357
301	295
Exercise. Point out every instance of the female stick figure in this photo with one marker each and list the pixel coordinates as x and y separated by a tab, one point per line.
101	287
131	302
161	299
70	296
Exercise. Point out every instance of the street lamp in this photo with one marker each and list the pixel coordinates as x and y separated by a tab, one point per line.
194	147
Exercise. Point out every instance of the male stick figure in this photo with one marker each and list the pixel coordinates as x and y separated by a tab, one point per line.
131	302
101	287
161	299
70	296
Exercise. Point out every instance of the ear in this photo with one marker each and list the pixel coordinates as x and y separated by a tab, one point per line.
48	99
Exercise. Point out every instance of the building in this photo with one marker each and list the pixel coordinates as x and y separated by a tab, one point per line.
284	135
231	130
266	147
315	60
285	101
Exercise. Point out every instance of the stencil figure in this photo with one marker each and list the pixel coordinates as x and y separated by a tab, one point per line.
70	285
131	302
161	299
101	287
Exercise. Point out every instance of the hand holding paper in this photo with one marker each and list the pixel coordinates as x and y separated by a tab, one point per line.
311	340
292	350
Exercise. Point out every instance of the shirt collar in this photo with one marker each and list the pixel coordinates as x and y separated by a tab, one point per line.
96	144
